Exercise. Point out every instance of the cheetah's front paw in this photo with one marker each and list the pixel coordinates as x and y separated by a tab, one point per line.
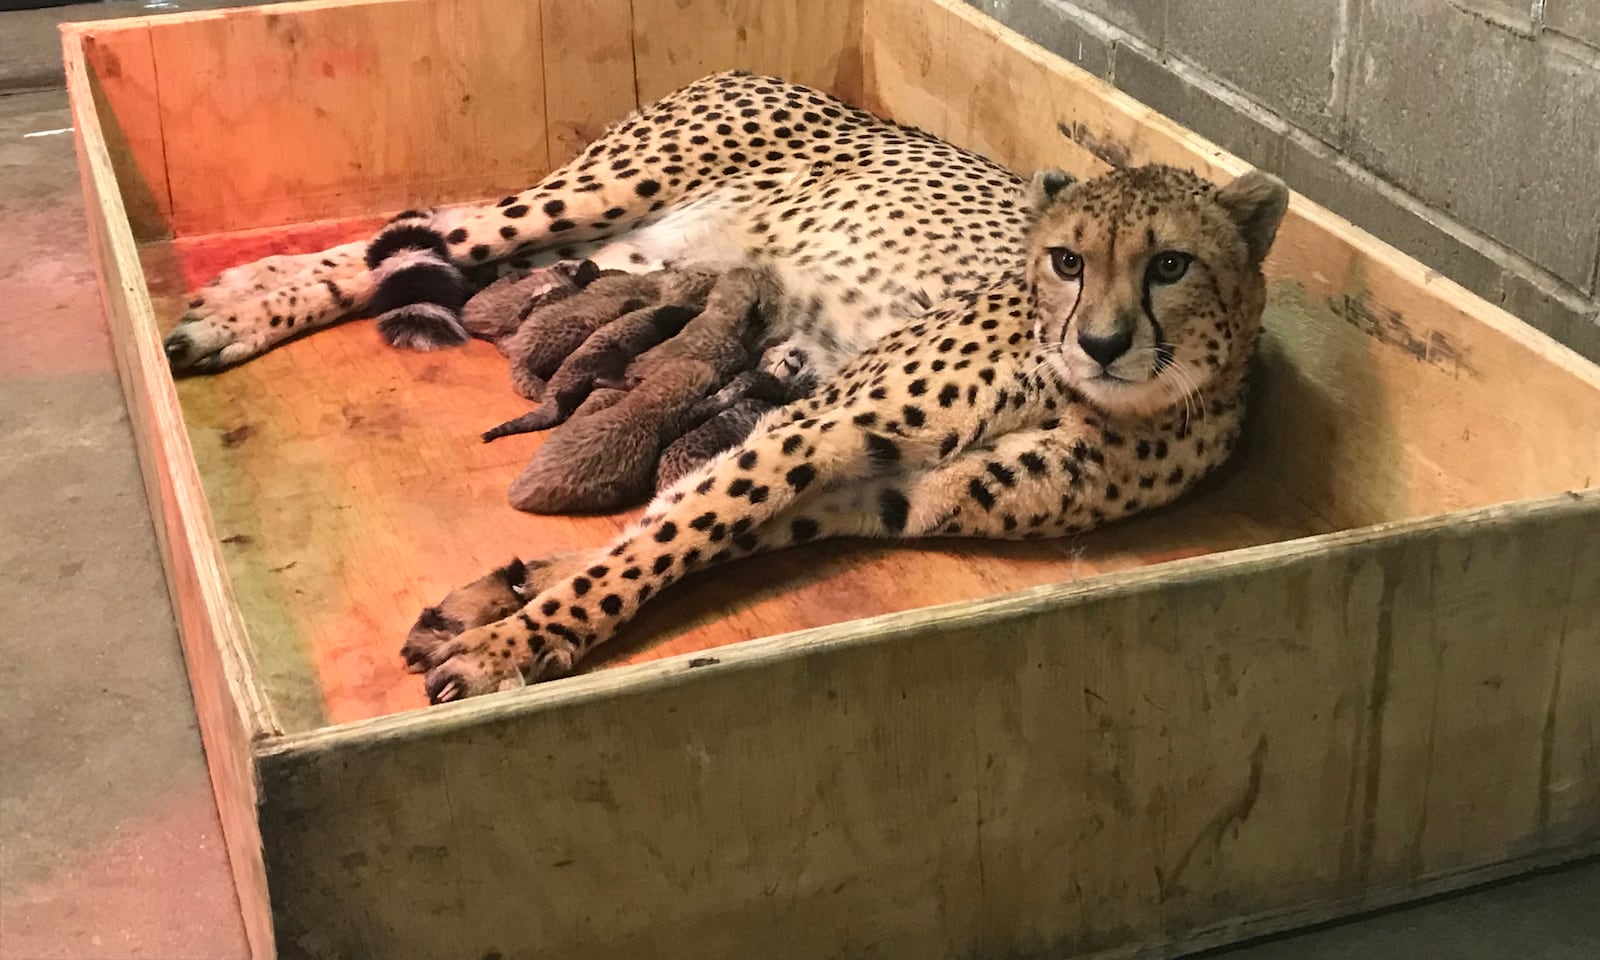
497	656
205	341
251	308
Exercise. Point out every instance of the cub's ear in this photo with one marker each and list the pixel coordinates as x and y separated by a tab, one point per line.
513	574
1256	201
1046	184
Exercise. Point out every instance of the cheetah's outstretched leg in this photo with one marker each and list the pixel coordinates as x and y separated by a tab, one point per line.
1028	485
404	277
1016	489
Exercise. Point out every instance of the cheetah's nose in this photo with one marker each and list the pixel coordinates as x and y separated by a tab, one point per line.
1107	348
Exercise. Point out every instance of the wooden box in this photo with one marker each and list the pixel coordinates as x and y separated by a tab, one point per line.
1362	667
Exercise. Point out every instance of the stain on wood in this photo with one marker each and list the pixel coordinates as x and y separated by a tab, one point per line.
238	435
1390	327
1104	149
1232	816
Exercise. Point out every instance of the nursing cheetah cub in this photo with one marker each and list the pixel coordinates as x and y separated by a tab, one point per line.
1101	373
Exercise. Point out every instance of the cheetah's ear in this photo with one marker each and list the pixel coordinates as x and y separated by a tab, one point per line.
1256	201
1046	184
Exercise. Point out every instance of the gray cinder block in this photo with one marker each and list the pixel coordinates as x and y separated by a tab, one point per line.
1158	85
1514	14
1572	322
1310	167
1056	27
1285	54
1495	129
1145	19
1453	130
1578	19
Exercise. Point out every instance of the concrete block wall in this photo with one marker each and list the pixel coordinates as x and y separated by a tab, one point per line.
1464	132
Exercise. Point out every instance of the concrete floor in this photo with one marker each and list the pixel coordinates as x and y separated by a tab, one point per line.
109	841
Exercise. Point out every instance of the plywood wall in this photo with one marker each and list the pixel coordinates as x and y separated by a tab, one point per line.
239	119
815	42
327	109
1107	769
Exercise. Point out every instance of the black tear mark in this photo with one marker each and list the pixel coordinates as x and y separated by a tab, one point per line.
1390	327
1106	150
242	539
703	662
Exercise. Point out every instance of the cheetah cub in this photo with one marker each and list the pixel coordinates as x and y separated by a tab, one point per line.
1101	373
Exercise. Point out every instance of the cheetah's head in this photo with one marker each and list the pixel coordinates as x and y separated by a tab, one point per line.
1148	281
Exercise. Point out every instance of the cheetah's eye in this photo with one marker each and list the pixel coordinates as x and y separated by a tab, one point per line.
1067	264
1169	267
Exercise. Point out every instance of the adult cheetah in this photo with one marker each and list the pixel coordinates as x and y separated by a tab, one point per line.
997	358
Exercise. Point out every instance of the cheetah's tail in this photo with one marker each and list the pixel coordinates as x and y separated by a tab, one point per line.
418	293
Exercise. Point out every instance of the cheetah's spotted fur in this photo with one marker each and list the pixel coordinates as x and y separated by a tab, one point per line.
996	358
